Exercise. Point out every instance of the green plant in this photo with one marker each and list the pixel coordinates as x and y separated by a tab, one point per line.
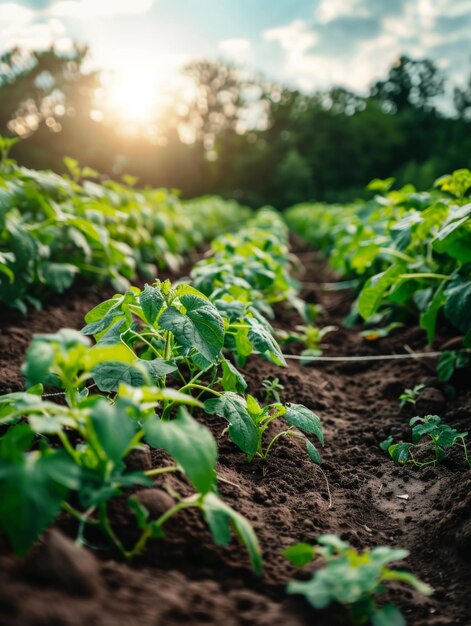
88	469
451	360
409	396
248	423
309	335
353	579
272	388
53	228
253	263
373	334
410	251
431	443
175	333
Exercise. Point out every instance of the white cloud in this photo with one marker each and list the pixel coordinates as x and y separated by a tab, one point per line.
86	9
15	13
19	28
38	36
296	39
329	10
415	31
237	48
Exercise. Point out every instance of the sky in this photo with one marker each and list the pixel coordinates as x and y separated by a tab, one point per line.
309	44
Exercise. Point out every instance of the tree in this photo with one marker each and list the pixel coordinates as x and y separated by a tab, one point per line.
409	84
225	99
462	101
44	87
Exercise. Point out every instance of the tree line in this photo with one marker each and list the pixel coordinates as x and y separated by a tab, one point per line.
241	135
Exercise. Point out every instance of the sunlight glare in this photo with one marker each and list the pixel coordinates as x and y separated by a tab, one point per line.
133	96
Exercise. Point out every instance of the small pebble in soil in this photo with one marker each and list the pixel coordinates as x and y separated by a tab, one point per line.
431	401
139	459
58	561
156	501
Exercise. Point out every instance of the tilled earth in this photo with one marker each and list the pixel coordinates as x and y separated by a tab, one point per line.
360	495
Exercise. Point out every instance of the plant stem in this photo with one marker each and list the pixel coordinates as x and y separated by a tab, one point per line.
282	434
397	254
162	470
426	275
67	445
180	506
109	532
81	517
202	387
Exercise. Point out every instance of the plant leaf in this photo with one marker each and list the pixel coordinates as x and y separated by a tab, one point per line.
200	327
192	446
218	515
303	418
242	429
300	554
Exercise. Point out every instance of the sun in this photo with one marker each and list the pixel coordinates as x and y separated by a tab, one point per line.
133	96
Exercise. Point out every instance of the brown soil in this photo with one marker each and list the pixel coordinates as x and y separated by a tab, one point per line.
185	579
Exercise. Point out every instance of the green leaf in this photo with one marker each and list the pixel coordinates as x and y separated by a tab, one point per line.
386	443
110	374
103	352
33	488
39	358
303	418
316	591
313	453
191	445
101	317
253	407
388	615
449	361
242	429
218	515
232	379
300	554
446	365
409	579
375	289
458	306
428	319
59	276
400	452
264	342
151	301
113	427
200	327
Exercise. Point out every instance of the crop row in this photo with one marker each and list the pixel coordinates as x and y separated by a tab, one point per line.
157	351
163	358
54	228
409	253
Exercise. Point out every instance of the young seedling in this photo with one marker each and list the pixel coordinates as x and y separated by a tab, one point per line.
431	444
272	388
248	423
309	335
373	334
409	396
352	578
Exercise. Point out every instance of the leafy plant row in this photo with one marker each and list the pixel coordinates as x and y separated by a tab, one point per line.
54	228
163	360
161	357
409	251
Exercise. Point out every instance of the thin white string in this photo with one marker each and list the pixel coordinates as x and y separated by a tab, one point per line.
375	357
325	359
